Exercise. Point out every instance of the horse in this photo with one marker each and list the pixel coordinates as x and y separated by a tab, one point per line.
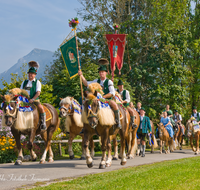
71	110
190	129
28	123
179	136
164	136
155	144
99	121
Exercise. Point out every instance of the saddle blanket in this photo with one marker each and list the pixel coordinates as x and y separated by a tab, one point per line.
48	113
196	126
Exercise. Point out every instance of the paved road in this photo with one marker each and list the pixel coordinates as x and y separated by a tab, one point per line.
12	176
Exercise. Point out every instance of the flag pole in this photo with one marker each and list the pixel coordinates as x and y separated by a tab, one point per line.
79	67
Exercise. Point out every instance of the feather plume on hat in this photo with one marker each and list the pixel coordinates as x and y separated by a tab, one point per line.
33	64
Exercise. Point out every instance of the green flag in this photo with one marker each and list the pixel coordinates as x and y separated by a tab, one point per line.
69	55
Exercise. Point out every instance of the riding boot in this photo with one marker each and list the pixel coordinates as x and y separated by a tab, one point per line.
43	126
117	119
133	122
182	130
143	151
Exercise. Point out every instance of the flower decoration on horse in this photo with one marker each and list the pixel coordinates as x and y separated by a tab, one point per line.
73	23
116	27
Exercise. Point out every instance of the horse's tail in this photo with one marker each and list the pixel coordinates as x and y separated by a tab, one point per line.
155	145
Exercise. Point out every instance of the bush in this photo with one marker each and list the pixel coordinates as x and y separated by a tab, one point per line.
8	150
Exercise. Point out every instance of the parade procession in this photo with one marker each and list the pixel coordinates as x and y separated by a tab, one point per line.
122	93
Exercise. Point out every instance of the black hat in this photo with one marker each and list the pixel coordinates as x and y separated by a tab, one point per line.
175	110
120	82
142	108
103	68
33	67
194	108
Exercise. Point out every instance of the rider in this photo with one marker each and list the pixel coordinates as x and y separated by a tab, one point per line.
170	115
178	118
33	87
142	131
126	99
196	114
139	104
165	120
108	89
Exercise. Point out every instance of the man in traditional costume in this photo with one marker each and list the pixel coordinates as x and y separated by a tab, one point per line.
177	119
33	87
196	114
142	131
108	89
126	99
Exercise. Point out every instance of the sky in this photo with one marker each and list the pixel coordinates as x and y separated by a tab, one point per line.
29	24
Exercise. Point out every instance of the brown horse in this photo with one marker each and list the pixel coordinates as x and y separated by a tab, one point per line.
73	124
179	136
190	130
164	136
99	121
27	123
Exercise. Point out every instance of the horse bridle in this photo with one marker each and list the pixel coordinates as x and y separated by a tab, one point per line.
67	110
8	114
91	113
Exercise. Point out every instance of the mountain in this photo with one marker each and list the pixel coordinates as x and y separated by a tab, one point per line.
43	57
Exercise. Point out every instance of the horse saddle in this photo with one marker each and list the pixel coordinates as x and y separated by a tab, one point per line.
47	112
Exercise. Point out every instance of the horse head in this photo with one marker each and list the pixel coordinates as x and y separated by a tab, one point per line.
9	108
91	107
65	106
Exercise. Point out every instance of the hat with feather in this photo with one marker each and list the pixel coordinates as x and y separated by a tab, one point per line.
33	67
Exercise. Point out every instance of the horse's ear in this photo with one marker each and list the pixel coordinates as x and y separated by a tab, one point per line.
71	98
61	98
85	93
95	93
2	97
15	97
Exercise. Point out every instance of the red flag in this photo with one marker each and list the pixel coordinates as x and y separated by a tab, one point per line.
116	46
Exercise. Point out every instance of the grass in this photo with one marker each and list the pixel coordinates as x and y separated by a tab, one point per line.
177	174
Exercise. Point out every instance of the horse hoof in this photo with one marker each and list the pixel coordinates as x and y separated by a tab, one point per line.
50	160
82	158
123	163
90	165
18	162
34	159
130	157
180	148
195	153
119	157
114	158
71	157
42	161
108	165
102	166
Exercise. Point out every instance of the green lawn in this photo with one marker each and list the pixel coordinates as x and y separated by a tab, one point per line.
176	174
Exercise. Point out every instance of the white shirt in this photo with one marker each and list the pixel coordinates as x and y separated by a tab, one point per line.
110	85
195	115
176	117
141	119
29	84
128	99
